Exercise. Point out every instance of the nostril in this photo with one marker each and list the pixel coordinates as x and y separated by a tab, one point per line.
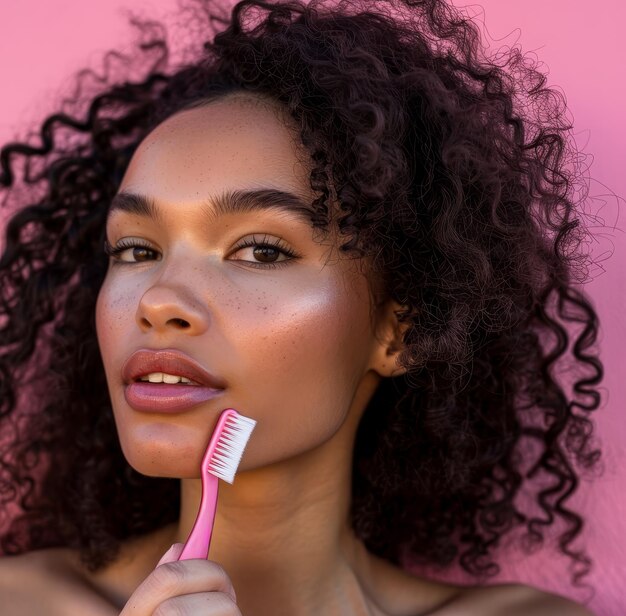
181	322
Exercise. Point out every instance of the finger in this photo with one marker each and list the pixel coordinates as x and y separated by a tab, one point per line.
181	577
205	603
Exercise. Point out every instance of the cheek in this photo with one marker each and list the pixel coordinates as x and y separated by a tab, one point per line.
103	315
105	331
113	307
318	333
301	362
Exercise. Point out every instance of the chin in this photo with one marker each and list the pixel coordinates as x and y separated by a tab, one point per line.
163	468
163	451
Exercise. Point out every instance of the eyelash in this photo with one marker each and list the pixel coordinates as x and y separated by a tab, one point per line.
122	245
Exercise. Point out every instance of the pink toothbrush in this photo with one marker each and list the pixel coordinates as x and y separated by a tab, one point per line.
220	460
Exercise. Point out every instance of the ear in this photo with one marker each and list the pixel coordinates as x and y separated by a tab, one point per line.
388	340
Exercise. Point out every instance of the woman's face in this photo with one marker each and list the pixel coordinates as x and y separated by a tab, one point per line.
289	336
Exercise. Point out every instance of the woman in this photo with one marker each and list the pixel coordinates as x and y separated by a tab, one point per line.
336	218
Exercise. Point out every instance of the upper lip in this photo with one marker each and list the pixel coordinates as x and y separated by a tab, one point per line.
172	361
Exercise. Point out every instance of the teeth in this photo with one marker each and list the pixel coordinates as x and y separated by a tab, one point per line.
162	377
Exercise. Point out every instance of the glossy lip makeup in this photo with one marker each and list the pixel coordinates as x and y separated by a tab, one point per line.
163	397
166	398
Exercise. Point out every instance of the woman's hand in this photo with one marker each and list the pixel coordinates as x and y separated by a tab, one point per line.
195	587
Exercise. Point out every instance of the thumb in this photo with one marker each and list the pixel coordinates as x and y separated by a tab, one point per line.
172	554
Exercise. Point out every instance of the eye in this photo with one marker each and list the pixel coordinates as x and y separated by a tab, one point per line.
140	250
267	252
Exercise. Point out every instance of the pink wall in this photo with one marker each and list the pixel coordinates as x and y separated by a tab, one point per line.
43	41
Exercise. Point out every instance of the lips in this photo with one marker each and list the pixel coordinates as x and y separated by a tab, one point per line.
162	397
143	362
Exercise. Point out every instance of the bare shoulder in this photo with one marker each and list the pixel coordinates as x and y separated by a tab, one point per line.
510	599
398	592
20	571
22	584
40	582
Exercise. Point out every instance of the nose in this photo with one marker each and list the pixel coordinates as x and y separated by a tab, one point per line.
170	309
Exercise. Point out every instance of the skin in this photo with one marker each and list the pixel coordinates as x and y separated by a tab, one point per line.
300	351
298	346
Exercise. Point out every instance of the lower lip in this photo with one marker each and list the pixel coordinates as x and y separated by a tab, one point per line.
163	398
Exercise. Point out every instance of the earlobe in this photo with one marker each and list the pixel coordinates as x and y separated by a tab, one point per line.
389	341
389	366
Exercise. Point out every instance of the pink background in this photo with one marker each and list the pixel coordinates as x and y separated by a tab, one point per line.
42	42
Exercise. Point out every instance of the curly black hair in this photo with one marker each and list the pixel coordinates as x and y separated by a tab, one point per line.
449	169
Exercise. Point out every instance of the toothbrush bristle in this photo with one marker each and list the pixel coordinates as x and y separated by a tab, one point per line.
230	447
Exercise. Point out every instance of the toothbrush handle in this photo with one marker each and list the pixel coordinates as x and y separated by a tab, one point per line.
199	540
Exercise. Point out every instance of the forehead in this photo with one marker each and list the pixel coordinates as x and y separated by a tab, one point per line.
233	143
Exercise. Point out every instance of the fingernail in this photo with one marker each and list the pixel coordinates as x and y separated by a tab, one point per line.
165	556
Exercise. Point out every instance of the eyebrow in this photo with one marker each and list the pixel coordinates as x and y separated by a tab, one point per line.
229	202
